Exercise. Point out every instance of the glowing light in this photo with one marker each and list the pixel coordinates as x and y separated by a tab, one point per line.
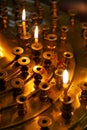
1	52
65	84
23	22
36	34
65	77
23	15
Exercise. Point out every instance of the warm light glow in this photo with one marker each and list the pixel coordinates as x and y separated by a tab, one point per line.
23	15
1	52
65	77
23	22
36	34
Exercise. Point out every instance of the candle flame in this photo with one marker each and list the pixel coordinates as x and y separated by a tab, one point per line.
65	76
23	15
1	52
36	34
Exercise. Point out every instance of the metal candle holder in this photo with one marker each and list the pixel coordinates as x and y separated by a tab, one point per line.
37	75
17	51
48	55
67	109
36	52
83	97
64	29
17	84
72	14
59	78
51	41
44	122
24	61
44	87
21	105
67	56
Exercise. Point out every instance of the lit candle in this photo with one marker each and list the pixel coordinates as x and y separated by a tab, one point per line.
36	36
23	22
65	83
1	52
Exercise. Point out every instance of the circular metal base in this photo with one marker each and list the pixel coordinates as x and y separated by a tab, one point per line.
24	61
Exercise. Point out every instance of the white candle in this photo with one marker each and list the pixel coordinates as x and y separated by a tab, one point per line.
23	22
65	83
36	35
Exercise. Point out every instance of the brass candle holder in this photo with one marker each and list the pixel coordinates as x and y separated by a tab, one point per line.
67	109
17	51
44	96
36	52
24	62
84	28
44	122
5	21
54	9
51	41
72	14
83	96
54	25
67	57
64	29
17	84
21	104
45	30
47	58
59	78
40	14
38	70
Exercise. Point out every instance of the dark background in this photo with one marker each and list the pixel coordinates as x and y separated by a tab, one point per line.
66	5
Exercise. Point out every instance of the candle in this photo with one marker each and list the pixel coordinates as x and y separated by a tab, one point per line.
23	22
36	36
65	83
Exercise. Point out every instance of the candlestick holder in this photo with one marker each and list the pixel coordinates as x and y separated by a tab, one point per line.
72	14
45	30
34	18
38	70
47	60
67	109
44	96
17	84
2	80
21	104
5	21
59	78
40	14
84	28
17	51
23	62
54	25
36	52
83	96
67	57
51	40
44	122
54	9
19	28
25	40
64	29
